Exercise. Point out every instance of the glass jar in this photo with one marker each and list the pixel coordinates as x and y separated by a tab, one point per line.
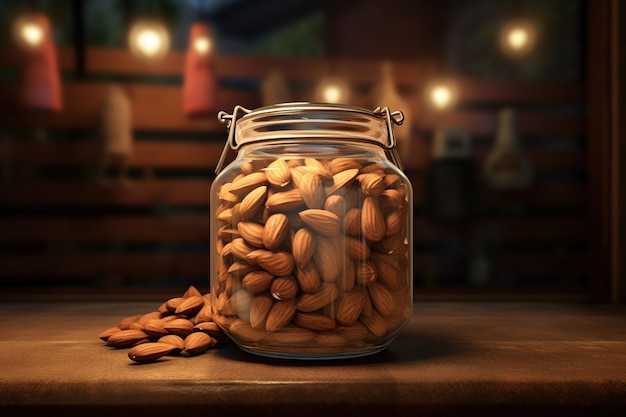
311	232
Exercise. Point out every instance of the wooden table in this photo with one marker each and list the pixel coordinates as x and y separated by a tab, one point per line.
453	359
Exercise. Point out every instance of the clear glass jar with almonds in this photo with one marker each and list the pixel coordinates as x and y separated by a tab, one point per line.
311	232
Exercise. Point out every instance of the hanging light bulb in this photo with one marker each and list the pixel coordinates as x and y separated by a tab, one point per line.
28	31
199	84
332	90
517	38
41	84
149	39
441	94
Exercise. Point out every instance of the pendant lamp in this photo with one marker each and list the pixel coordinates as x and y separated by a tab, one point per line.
199	85
41	85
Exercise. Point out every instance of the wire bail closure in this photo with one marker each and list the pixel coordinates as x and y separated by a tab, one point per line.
390	119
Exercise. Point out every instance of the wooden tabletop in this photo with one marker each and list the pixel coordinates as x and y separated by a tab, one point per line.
452	359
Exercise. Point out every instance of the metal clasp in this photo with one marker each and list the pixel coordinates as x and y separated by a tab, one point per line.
230	120
397	118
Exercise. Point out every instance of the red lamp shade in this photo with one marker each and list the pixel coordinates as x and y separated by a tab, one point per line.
41	85
199	85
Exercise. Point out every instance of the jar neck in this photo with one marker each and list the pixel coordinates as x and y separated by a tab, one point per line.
300	148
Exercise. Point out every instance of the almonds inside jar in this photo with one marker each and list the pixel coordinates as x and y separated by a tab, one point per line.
324	248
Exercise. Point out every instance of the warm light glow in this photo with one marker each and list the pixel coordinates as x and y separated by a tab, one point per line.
518	38
149	39
29	31
202	45
441	94
332	90
32	34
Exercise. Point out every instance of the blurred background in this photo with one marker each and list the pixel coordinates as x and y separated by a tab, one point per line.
107	154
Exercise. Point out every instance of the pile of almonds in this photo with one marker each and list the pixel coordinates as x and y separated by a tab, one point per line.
181	325
312	253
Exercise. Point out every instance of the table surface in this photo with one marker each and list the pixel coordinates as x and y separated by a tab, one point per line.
469	358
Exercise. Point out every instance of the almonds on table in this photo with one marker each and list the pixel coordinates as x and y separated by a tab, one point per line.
311	252
182	324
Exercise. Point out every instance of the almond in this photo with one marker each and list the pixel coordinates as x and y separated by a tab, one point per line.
240	248
375	323
251	166
252	202
366	273
278	173
298	172
329	258
341	181
240	302
260	307
244	185
284	201
105	334
205	313
356	331
224	194
276	263
341	164
126	338
252	233
349	308
389	271
352	222
257	281
192	291
373	169
312	191
212	329
197	343
390	245
275	231
125	323
391	180
180	327
315	322
281	313
336	204
320	168
395	222
372	220
284	288
173	303
190	306
308	278
155	328
241	269
327	294
382	299
357	249
391	200
322	221
176	342
371	184
149	352
330	339
349	275
245	332
303	246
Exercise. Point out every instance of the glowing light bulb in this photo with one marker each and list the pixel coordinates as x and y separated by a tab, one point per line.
202	45
32	34
332	94
149	42
441	96
517	38
149	39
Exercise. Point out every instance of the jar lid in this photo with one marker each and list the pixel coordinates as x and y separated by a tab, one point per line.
311	121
